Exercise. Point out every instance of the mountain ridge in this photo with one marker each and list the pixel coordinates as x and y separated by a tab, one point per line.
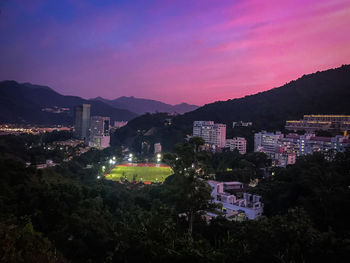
142	106
322	92
30	103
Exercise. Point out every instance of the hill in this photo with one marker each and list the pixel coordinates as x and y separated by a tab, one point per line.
326	92
35	104
142	106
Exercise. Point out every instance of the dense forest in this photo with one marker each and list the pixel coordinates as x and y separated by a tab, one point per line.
66	214
326	92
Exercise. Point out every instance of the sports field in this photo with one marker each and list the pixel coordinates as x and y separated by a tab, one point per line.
147	173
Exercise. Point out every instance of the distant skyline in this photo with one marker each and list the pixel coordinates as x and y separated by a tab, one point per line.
194	51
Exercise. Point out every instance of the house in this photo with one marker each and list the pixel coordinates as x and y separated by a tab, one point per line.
250	204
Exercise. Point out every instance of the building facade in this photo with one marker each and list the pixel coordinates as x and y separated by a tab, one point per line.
238	143
82	121
250	204
99	132
312	123
267	142
214	134
241	124
284	149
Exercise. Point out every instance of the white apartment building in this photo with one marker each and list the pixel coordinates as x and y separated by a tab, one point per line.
250	204
267	142
212	133
238	143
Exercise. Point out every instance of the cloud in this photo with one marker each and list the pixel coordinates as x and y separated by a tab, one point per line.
194	51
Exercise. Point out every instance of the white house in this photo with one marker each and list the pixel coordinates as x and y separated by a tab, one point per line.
250	204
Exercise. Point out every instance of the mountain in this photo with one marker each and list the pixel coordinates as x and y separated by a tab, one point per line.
142	106
326	92
35	104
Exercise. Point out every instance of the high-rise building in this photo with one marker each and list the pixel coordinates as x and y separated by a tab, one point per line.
267	142
99	132
212	133
238	143
82	121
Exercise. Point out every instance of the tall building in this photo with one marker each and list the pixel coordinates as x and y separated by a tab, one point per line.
99	132
238	143
212	133
82	121
267	142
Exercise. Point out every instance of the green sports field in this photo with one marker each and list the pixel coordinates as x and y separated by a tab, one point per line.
140	173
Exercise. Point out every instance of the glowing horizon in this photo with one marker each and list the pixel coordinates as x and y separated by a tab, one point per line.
173	51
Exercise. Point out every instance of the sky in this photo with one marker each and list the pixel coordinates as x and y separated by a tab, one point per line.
194	51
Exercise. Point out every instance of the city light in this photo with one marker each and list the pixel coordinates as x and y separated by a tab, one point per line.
159	155
130	155
113	158
103	168
98	177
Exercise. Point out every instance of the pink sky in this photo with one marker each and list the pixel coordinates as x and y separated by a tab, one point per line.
195	51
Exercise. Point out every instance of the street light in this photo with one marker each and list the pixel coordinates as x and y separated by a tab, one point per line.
113	158
130	155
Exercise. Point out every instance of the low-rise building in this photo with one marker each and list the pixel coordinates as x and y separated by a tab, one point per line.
314	122
283	149
241	124
250	204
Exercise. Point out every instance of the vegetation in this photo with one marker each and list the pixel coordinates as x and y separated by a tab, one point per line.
326	92
66	214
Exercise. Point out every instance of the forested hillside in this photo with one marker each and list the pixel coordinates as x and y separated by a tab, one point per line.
325	92
68	214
